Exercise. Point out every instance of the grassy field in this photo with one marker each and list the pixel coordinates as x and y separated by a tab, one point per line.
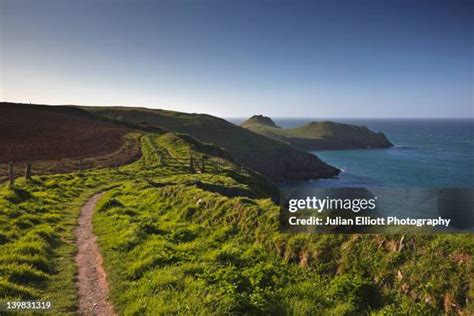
176	240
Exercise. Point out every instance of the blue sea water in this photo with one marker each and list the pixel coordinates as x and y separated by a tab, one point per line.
427	153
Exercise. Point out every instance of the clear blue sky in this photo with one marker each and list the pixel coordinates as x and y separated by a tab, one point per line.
404	58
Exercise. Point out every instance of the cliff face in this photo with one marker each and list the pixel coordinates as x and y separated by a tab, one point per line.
323	135
288	164
275	160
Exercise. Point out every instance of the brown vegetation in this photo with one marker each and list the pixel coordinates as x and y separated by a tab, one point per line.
54	139
33	133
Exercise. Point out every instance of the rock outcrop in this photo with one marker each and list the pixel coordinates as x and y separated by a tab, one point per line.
260	120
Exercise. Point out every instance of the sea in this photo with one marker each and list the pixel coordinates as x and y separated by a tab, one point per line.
427	153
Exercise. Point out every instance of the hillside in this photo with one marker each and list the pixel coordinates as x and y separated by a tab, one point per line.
319	135
276	160
35	132
38	216
53	138
178	241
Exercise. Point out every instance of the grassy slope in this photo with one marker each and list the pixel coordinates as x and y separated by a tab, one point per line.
181	248
321	135
37	221
38	217
276	160
180	242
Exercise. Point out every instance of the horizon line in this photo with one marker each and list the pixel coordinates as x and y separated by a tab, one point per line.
260	113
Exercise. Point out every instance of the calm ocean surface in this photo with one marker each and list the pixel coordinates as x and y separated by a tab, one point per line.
427	153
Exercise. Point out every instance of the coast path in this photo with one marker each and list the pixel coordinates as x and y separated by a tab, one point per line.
92	279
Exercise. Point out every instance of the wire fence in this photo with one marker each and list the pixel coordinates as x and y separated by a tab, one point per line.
194	163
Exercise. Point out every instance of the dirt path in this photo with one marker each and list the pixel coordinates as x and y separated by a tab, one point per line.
92	281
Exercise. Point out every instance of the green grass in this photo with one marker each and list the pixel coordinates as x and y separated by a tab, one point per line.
192	251
185	248
37	222
224	255
176	241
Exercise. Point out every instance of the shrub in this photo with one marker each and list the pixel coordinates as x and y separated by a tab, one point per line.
357	293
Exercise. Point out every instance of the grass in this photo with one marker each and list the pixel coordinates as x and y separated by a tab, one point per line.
37	222
176	241
221	257
182	248
182	260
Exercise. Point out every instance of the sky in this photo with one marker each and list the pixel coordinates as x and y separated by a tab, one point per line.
384	59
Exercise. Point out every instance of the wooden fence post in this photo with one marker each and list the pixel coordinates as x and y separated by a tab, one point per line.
203	169
10	174
160	159
28	171
80	165
218	167
191	163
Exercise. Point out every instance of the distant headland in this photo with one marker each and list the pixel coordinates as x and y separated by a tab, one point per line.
319	135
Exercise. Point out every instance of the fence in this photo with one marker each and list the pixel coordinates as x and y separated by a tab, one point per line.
201	163
196	163
11	172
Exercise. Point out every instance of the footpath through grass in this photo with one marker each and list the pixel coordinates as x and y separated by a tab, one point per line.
37	222
178	241
38	219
